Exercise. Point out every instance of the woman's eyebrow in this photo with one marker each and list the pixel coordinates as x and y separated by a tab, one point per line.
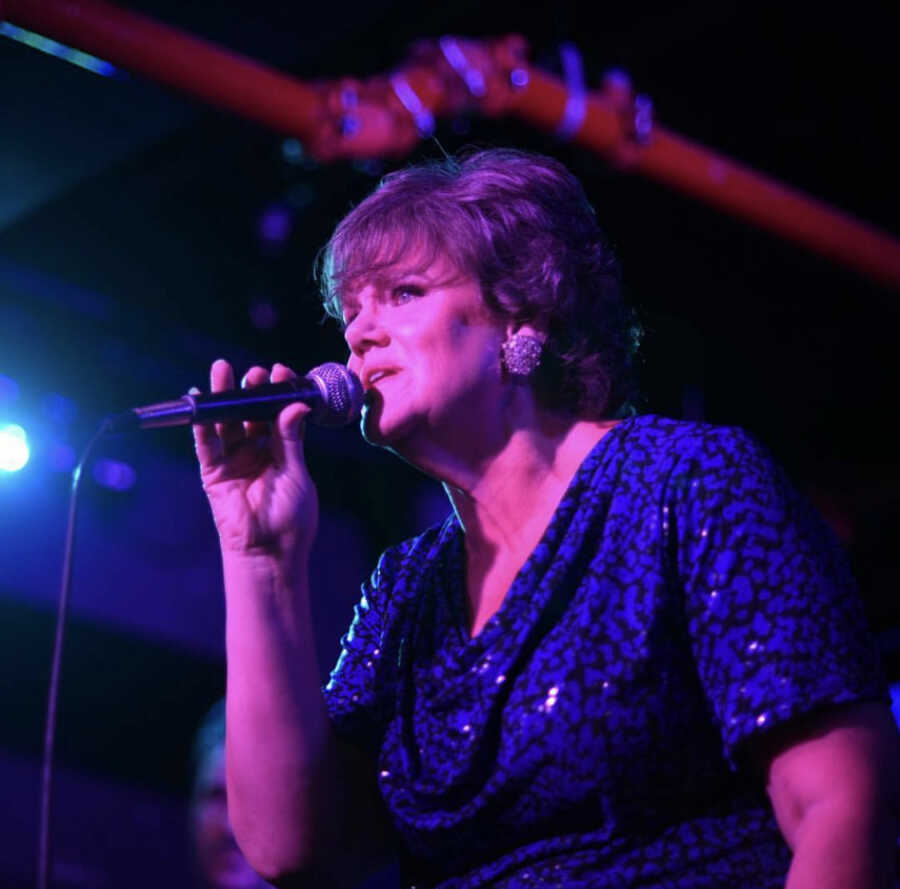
385	280
393	276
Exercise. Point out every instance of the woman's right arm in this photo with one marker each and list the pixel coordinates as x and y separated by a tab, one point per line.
294	797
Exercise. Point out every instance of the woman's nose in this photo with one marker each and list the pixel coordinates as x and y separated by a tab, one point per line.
367	329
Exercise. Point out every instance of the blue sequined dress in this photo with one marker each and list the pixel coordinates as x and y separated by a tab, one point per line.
682	601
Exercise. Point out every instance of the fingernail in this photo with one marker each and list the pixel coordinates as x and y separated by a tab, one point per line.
193	391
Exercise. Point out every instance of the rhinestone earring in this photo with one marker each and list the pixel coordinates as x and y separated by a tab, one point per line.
521	354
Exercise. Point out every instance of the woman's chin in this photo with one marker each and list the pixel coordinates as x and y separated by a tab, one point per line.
377	426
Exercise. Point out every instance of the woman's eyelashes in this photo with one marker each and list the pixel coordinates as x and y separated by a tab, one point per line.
405	292
396	295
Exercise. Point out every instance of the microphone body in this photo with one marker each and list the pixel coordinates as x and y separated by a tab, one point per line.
332	391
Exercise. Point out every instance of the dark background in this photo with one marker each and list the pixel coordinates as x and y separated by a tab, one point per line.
131	256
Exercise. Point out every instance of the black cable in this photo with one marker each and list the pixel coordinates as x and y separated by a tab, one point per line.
43	862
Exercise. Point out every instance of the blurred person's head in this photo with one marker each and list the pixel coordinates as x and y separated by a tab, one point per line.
219	861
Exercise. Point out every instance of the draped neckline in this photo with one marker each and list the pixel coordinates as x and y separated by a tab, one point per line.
518	597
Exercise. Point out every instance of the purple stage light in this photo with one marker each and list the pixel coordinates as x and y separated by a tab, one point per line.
263	314
113	474
276	224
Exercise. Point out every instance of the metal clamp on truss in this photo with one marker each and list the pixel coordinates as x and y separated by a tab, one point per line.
642	119
635	113
410	100
576	92
456	59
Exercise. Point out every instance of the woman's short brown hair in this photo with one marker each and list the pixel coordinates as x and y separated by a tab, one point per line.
521	225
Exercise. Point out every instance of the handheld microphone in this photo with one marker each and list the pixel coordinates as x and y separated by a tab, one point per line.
332	391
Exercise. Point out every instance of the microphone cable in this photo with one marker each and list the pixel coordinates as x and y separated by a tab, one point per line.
43	859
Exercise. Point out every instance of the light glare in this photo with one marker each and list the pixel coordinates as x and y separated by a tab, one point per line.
14	451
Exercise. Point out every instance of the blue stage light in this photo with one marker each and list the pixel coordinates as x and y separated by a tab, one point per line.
9	389
61	457
14	451
60	50
292	151
895	701
61	411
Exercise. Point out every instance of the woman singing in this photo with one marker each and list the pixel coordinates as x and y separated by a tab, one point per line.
631	656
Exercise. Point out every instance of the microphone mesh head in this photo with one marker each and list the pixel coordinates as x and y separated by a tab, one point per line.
342	395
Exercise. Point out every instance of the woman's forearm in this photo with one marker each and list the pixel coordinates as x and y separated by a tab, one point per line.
844	844
281	753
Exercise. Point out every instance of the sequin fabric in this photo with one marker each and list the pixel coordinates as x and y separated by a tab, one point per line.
682	601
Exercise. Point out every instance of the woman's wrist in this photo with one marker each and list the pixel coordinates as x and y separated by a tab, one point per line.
290	548
264	573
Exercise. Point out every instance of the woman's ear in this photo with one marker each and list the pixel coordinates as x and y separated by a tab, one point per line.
513	328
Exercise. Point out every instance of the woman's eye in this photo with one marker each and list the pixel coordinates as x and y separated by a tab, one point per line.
405	292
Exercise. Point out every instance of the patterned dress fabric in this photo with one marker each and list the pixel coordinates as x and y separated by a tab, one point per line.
598	732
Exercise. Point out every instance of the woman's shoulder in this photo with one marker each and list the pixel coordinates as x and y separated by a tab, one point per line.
655	440
650	457
656	430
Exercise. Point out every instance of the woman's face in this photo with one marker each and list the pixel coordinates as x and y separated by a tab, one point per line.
426	349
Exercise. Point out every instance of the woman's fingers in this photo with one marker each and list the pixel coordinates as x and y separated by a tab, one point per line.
290	421
206	439
281	372
221	379
221	376
210	439
213	441
290	425
256	376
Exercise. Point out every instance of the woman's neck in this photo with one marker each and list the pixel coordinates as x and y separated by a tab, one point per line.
505	465
505	503
505	508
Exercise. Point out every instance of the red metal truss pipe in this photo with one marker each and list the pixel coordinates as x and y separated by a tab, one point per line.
387	115
771	205
607	128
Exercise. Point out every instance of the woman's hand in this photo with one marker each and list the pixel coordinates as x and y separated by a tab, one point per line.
254	474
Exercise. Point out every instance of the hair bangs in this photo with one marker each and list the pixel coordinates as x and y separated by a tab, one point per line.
370	244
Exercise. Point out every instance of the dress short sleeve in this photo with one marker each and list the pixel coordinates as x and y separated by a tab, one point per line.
775	621
355	692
